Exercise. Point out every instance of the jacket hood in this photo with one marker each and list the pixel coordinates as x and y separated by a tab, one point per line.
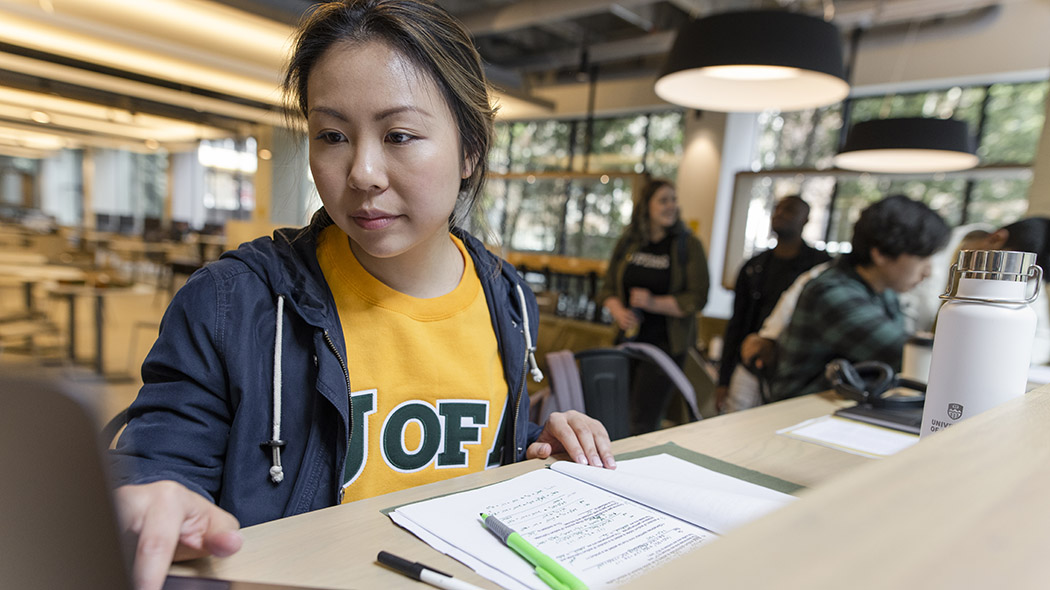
287	263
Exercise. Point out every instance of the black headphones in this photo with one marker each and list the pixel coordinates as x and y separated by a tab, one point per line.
865	382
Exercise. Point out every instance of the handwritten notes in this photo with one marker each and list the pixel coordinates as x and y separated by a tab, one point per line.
603	537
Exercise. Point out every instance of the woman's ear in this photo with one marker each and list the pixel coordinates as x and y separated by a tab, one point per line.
469	162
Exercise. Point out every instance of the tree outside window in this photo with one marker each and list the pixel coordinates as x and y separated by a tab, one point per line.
1007	121
566	187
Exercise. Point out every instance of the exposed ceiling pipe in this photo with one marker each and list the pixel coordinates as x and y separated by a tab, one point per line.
932	26
870	14
529	13
651	44
888	26
632	17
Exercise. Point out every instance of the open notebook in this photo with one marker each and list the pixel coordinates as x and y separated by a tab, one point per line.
606	527
60	528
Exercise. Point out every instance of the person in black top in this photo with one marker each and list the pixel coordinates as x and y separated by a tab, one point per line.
761	281
654	287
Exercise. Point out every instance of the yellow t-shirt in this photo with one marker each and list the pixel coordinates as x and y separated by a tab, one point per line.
427	383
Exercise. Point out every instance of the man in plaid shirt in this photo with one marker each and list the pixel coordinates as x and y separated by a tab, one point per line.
851	311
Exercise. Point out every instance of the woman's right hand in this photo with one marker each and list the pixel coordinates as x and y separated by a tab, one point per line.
172	523
625	318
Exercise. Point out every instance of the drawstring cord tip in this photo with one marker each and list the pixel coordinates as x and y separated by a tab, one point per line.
276	471
534	368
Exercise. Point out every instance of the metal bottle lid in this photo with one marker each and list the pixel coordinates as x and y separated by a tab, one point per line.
996	265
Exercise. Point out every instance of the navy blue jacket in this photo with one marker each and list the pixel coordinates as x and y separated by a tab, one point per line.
205	412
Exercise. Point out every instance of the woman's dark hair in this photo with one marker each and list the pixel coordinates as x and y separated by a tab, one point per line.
639	225
432	40
1031	234
897	225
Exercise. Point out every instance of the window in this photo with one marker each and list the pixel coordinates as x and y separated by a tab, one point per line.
229	166
794	152
566	187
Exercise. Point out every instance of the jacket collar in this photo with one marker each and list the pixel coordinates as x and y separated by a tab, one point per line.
288	264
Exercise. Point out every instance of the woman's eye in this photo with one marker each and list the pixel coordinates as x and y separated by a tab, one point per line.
398	137
331	137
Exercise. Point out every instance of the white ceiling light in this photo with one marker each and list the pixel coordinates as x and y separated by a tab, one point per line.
150	61
908	145
65	113
196	43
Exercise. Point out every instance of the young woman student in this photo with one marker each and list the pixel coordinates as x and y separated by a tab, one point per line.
380	347
656	283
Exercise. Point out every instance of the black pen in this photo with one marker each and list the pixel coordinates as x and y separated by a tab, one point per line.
423	573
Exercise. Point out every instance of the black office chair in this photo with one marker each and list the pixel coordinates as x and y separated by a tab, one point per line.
598	381
112	428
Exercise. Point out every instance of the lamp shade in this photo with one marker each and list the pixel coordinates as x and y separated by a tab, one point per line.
908	145
754	60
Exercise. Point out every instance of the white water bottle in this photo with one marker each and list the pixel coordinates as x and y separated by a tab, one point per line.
984	333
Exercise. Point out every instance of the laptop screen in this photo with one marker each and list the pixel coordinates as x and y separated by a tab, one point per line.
59	524
60	528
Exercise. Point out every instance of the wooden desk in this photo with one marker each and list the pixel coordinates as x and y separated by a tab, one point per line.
209	247
966	508
44	272
26	275
558	271
8	257
336	547
136	250
70	293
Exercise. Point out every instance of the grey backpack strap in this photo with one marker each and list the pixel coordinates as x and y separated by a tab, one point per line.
670	368
566	388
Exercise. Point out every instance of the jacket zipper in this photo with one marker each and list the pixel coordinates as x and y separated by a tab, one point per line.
517	406
349	407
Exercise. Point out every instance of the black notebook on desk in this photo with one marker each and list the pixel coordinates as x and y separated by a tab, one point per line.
903	419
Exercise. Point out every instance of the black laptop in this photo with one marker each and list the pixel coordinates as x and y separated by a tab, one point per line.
59	523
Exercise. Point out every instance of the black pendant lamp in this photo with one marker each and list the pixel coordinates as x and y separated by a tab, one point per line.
755	60
908	145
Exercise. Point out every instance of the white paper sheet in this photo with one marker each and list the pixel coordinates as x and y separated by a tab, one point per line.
603	538
706	498
851	436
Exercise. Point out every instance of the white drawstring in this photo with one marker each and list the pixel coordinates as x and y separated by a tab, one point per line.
275	443
537	375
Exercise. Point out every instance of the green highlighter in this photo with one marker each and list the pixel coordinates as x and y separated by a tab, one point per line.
550	571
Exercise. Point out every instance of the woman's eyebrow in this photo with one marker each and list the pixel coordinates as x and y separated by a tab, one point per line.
384	114
399	110
328	111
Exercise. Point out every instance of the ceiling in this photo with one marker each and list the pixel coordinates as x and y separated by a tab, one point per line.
166	73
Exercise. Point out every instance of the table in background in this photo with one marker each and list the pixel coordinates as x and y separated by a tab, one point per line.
336	547
136	251
26	274
209	247
70	293
9	257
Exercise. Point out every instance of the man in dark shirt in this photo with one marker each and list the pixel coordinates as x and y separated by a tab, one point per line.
761	281
851	310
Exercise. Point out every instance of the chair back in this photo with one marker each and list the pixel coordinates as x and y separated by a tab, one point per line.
605	379
598	382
